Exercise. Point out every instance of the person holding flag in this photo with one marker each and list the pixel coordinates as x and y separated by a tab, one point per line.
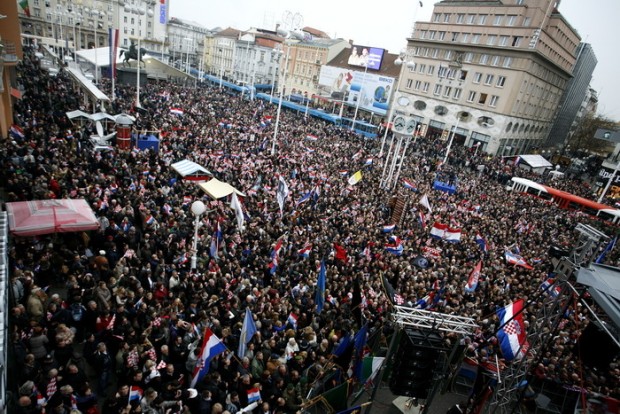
247	332
211	347
320	288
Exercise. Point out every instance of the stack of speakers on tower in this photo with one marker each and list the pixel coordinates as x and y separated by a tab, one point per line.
416	363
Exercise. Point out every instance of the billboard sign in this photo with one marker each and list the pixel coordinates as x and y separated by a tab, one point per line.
365	56
341	84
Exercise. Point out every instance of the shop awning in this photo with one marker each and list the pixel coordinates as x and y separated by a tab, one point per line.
189	168
217	189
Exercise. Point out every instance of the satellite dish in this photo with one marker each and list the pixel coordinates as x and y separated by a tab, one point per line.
99	128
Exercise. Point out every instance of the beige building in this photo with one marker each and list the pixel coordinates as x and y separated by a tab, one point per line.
492	71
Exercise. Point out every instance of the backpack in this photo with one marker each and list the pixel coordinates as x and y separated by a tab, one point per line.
77	311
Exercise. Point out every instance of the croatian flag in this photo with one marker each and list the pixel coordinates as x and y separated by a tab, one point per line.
438	230
305	252
395	246
343	173
211	347
253	395
113	44
292	320
409	185
517	260
368	161
389	228
275	256
482	243
16	132
135	393
425	301
547	287
512	336
176	111
452	235
312	138
474	277
304	198
421	219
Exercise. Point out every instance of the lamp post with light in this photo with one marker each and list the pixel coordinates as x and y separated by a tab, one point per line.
275	129
198	208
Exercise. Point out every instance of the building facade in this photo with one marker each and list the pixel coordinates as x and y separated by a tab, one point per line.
574	97
186	42
492	72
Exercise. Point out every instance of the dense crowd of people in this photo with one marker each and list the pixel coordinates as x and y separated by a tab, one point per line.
95	315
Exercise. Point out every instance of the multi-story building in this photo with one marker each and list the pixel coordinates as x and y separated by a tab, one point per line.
10	53
84	24
573	97
186	42
256	57
493	72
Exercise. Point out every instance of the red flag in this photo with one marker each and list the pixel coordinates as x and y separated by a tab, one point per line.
341	253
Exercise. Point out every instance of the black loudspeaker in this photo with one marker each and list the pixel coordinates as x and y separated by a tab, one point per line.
595	348
557	252
415	361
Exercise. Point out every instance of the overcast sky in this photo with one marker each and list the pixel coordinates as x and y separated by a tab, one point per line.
388	23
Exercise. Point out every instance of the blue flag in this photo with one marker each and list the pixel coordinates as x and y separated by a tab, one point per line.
320	288
247	332
609	248
359	345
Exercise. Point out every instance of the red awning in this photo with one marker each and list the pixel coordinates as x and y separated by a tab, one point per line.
37	217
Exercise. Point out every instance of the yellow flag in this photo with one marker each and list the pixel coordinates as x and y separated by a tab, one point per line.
355	178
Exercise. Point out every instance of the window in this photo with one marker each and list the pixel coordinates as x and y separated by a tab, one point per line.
511	20
446	18
471	97
465	38
475	38
442	35
463	75
409	83
423	34
125	19
503	40
489	79
422	68
482	99
491	39
442	72
457	93
482	19
527	21
425	87
501	81
495	61
447	91
471	18
469	57
455	36
448	55
418	85
460	18
437	90
435	53
516	41
484	59
431	70
432	34
477	77
498	20
451	73
507	62
437	17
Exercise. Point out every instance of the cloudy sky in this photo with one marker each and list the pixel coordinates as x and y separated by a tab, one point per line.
387	24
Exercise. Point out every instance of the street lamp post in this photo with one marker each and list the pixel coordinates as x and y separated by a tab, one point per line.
359	97
458	119
275	130
198	209
278	54
399	62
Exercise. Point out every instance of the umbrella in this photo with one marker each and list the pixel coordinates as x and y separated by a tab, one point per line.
33	218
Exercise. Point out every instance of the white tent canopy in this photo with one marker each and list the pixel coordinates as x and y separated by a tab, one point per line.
534	162
187	168
217	189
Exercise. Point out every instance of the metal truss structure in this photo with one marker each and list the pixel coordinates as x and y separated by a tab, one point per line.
423	319
508	392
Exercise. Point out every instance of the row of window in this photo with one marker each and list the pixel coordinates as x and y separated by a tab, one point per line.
469	57
472	38
481	19
450	92
449	73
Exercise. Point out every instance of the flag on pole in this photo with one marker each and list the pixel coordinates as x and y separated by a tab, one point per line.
424	201
482	243
452	235
474	277
312	138
292	320
395	298
211	347
370	368
512	335
355	178
410	185
113	44
253	395
275	256
389	228
135	393
547	287
282	193
320	288
235	204
305	251
176	111
25	7
517	260
359	345
395	246
247	332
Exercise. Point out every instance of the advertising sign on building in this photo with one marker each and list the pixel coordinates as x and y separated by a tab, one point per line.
365	56
371	90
